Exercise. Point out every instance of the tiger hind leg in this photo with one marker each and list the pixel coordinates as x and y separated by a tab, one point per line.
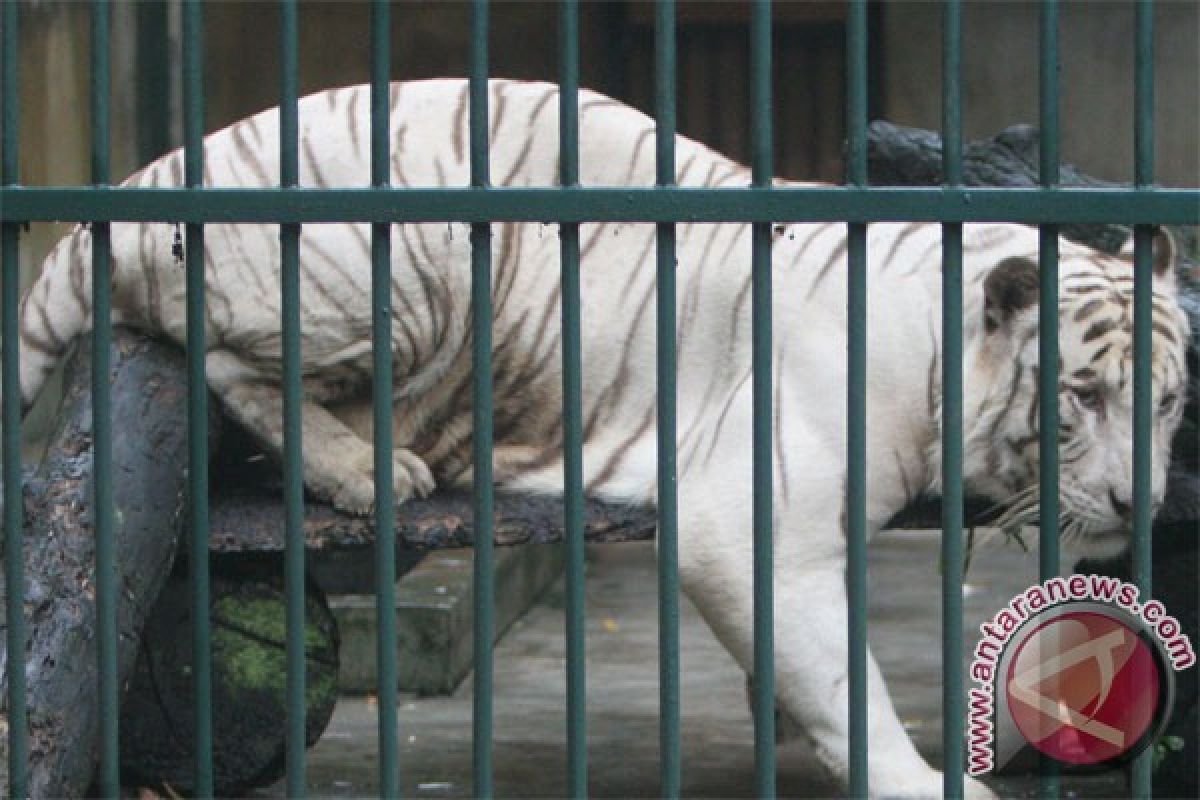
338	464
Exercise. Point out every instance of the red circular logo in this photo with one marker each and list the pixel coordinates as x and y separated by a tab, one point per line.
1083	688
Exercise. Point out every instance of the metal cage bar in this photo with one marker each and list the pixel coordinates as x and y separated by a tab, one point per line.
856	204
382	400
14	529
1048	297
668	496
293	399
764	597
953	701
572	386
1143	403
856	402
1048	555
481	388
1141	778
108	777
197	407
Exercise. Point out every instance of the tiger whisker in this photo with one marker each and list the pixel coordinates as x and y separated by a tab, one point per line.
1019	516
1015	499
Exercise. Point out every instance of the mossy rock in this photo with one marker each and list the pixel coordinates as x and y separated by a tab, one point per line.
249	680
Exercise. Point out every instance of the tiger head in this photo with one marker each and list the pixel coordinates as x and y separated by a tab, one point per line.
1095	391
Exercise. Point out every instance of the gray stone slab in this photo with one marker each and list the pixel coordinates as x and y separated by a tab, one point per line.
434	616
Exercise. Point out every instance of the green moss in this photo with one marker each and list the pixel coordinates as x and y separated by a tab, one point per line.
251	634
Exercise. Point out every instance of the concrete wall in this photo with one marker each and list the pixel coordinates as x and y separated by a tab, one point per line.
1000	80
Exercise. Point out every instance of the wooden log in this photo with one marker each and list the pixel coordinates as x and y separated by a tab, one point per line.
252	520
148	484
247	513
249	705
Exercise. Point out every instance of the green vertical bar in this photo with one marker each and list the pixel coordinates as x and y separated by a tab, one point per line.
1048	314
381	354
153	84
668	510
481	387
193	130
568	138
108	778
856	404
1048	332
292	401
1144	94
764	590
14	533
953	709
1143	500
1141	777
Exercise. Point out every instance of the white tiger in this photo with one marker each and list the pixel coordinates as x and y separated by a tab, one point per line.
431	334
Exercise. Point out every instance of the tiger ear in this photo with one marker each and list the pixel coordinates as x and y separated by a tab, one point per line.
1166	252
1011	287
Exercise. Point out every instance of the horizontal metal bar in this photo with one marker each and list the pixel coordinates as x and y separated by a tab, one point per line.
649	204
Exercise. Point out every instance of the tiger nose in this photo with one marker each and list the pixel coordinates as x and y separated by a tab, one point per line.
1125	510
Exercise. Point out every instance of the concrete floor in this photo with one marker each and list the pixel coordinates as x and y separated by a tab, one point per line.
717	753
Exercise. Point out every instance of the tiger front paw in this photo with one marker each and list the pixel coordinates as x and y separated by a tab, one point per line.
355	493
410	475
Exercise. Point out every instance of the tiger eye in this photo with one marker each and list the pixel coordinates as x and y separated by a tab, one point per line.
1091	399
